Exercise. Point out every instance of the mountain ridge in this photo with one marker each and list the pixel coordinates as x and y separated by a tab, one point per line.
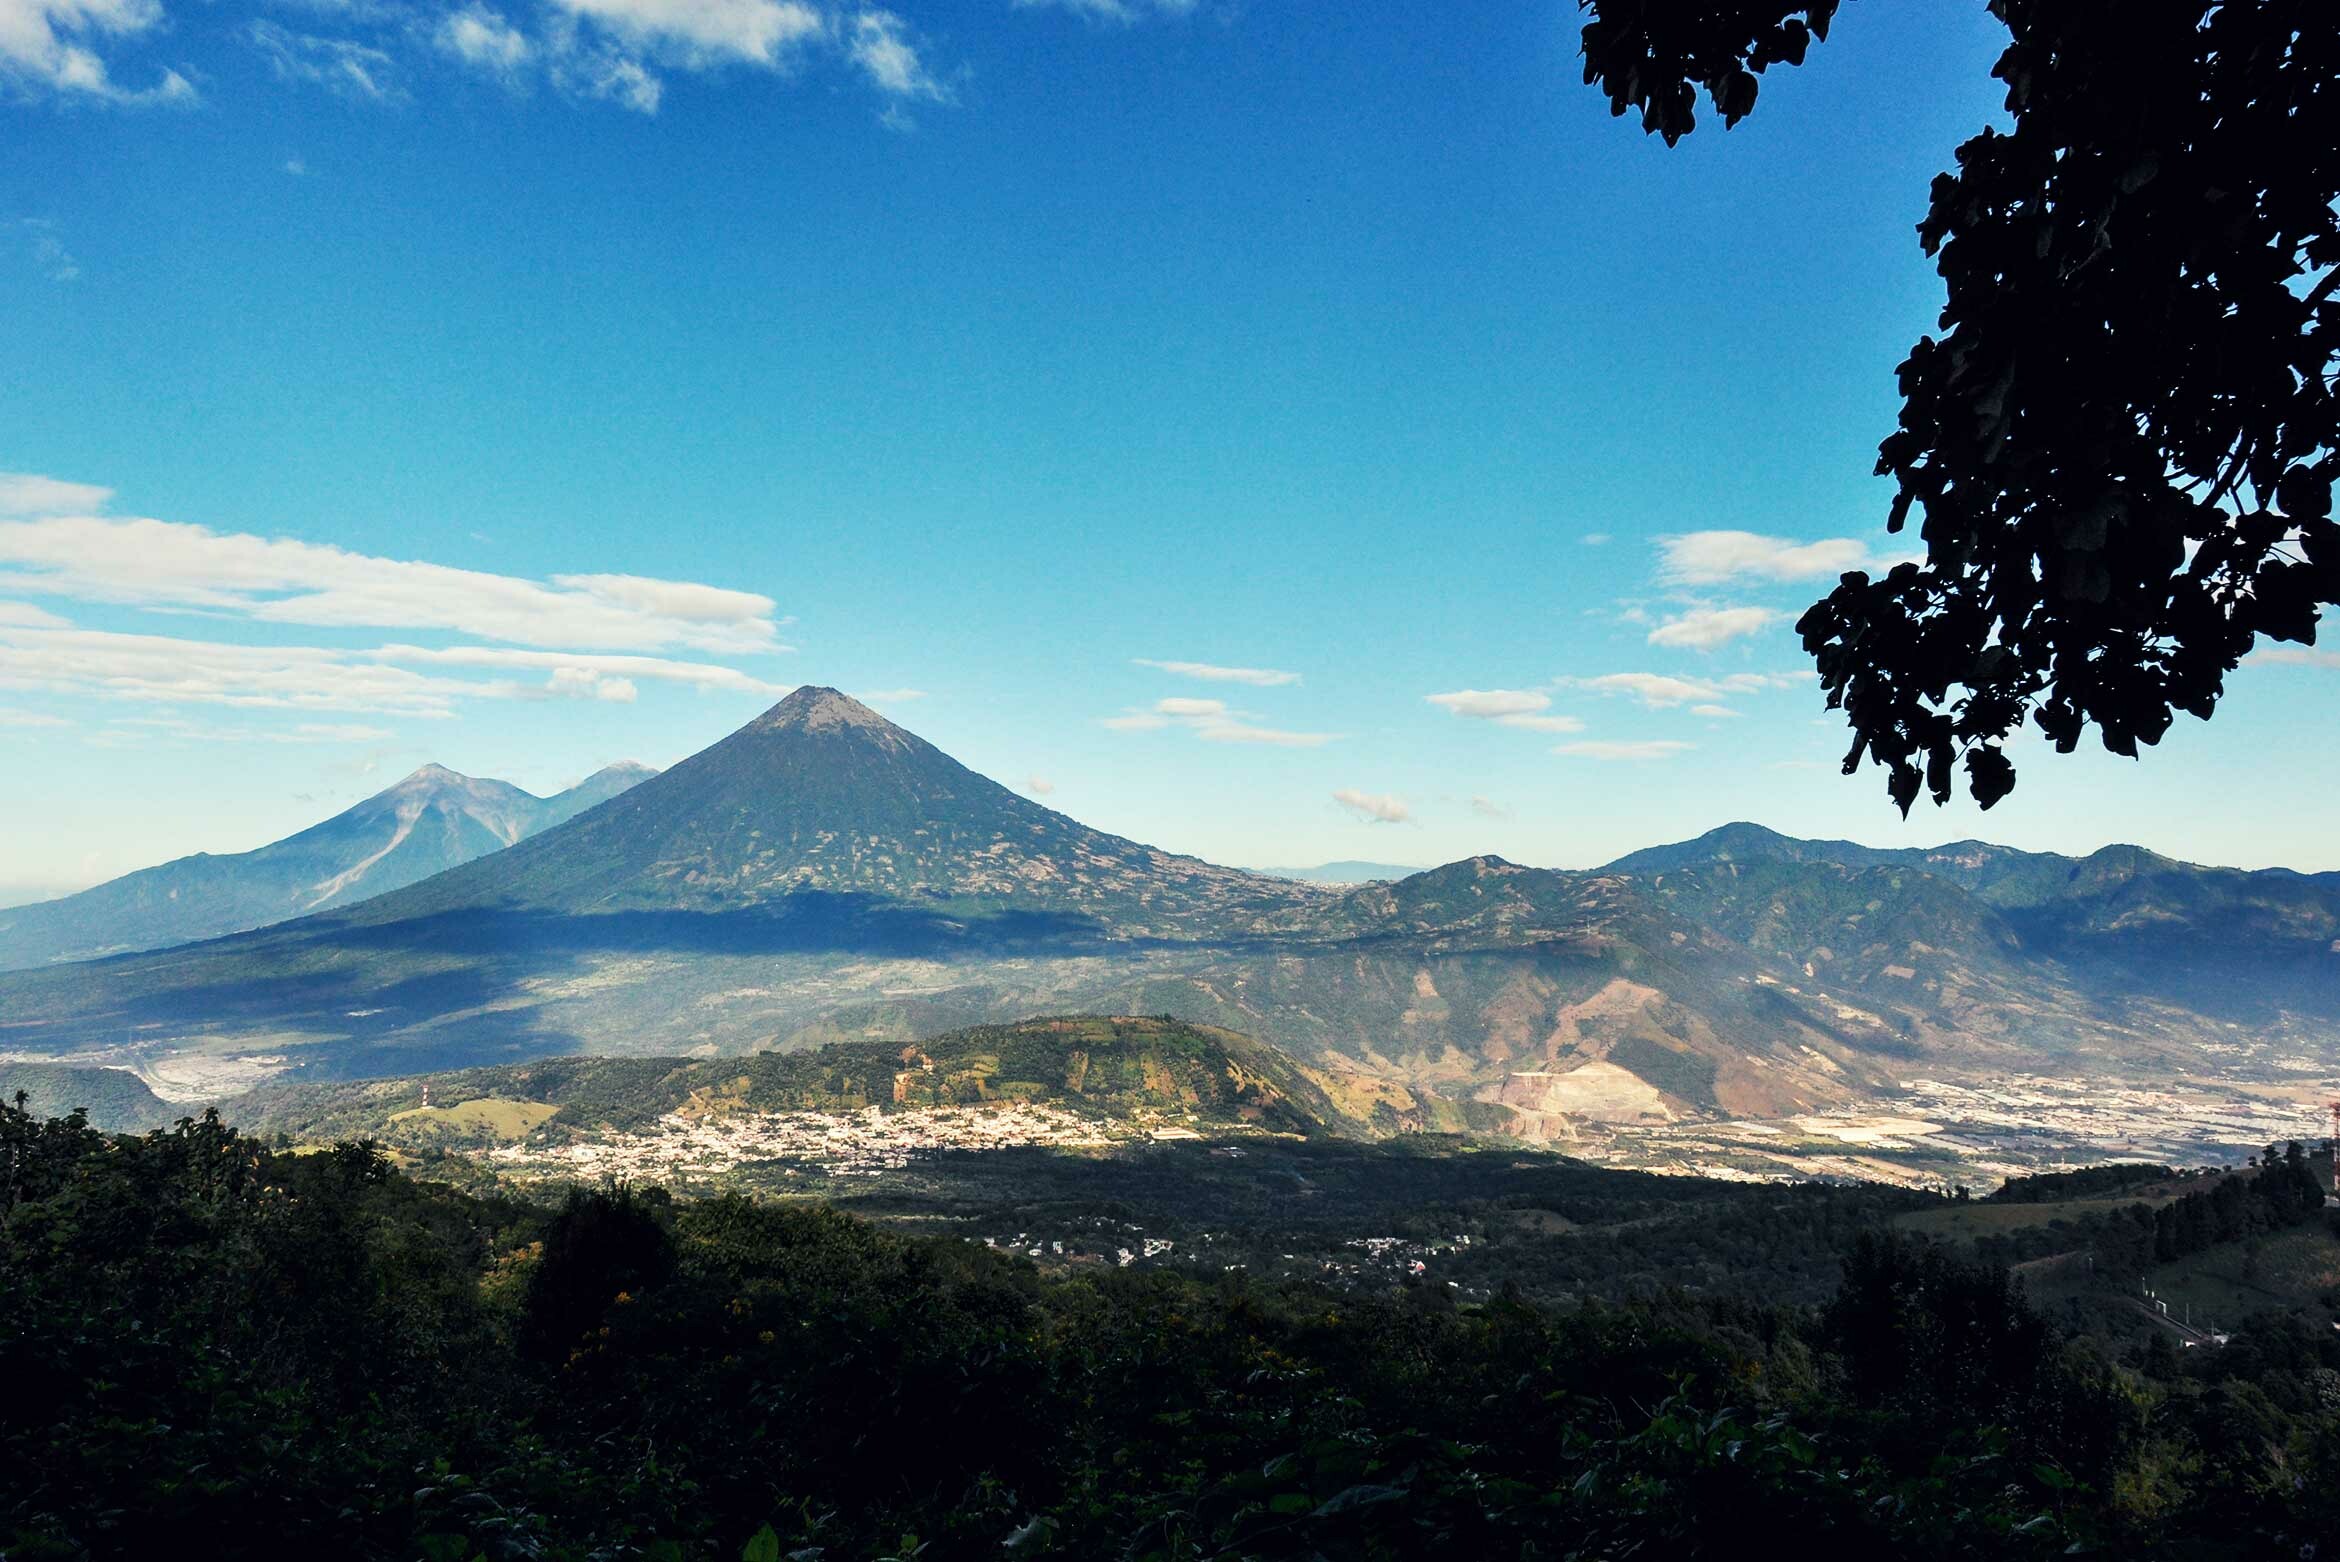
823	876
419	825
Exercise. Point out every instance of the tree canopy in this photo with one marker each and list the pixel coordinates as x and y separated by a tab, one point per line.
2121	443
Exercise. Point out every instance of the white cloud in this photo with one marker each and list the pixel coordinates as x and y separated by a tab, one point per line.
171	566
1260	677
1597	539
702	32
2298	656
585	683
1658	691
610	77
1663	748
1710	558
162	669
877	42
27	718
1705	628
1714	712
1663	691
483	39
25	615
892	696
1040	786
23	493
48	45
1119	11
1241	732
125	728
572	668
395	680
1487	704
1373	807
48	252
1488	808
1213	722
341	65
1137	721
1507	708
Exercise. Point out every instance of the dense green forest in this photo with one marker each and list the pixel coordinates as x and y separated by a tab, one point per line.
220	1349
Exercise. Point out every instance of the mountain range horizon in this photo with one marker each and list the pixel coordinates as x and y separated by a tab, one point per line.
823	874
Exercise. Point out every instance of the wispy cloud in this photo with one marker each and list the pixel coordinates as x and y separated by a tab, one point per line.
1663	691
340	65
166	670
2297	656
698	32
1488	704
172	566
1121	12
1713	557
879	43
1521	708
610	51
1488	808
123	730
1213	721
1661	748
1703	629
51	46
41	240
30	718
578	671
483	39
1243	732
1211	672
1374	807
394	680
25	493
1714	712
1658	691
1039	786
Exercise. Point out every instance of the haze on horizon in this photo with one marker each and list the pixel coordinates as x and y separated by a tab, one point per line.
1362	451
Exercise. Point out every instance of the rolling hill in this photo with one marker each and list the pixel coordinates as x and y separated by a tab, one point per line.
427	823
116	1099
823	878
1119	1068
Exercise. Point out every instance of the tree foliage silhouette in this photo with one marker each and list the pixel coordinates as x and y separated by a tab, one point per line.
2121	443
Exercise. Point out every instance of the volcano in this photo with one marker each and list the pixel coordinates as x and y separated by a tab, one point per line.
822	795
433	820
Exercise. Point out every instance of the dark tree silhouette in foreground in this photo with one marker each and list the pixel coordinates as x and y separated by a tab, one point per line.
2121	445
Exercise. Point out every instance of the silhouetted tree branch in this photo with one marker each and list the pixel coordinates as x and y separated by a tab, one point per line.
2121	443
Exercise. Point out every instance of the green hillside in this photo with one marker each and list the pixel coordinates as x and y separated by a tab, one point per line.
1121	1068
116	1099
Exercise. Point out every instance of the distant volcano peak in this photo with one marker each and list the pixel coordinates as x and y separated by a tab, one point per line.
817	709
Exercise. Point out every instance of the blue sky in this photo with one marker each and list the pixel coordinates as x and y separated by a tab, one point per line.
377	373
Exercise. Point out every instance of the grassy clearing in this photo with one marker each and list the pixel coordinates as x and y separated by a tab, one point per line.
1977	1218
490	1115
2230	1281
